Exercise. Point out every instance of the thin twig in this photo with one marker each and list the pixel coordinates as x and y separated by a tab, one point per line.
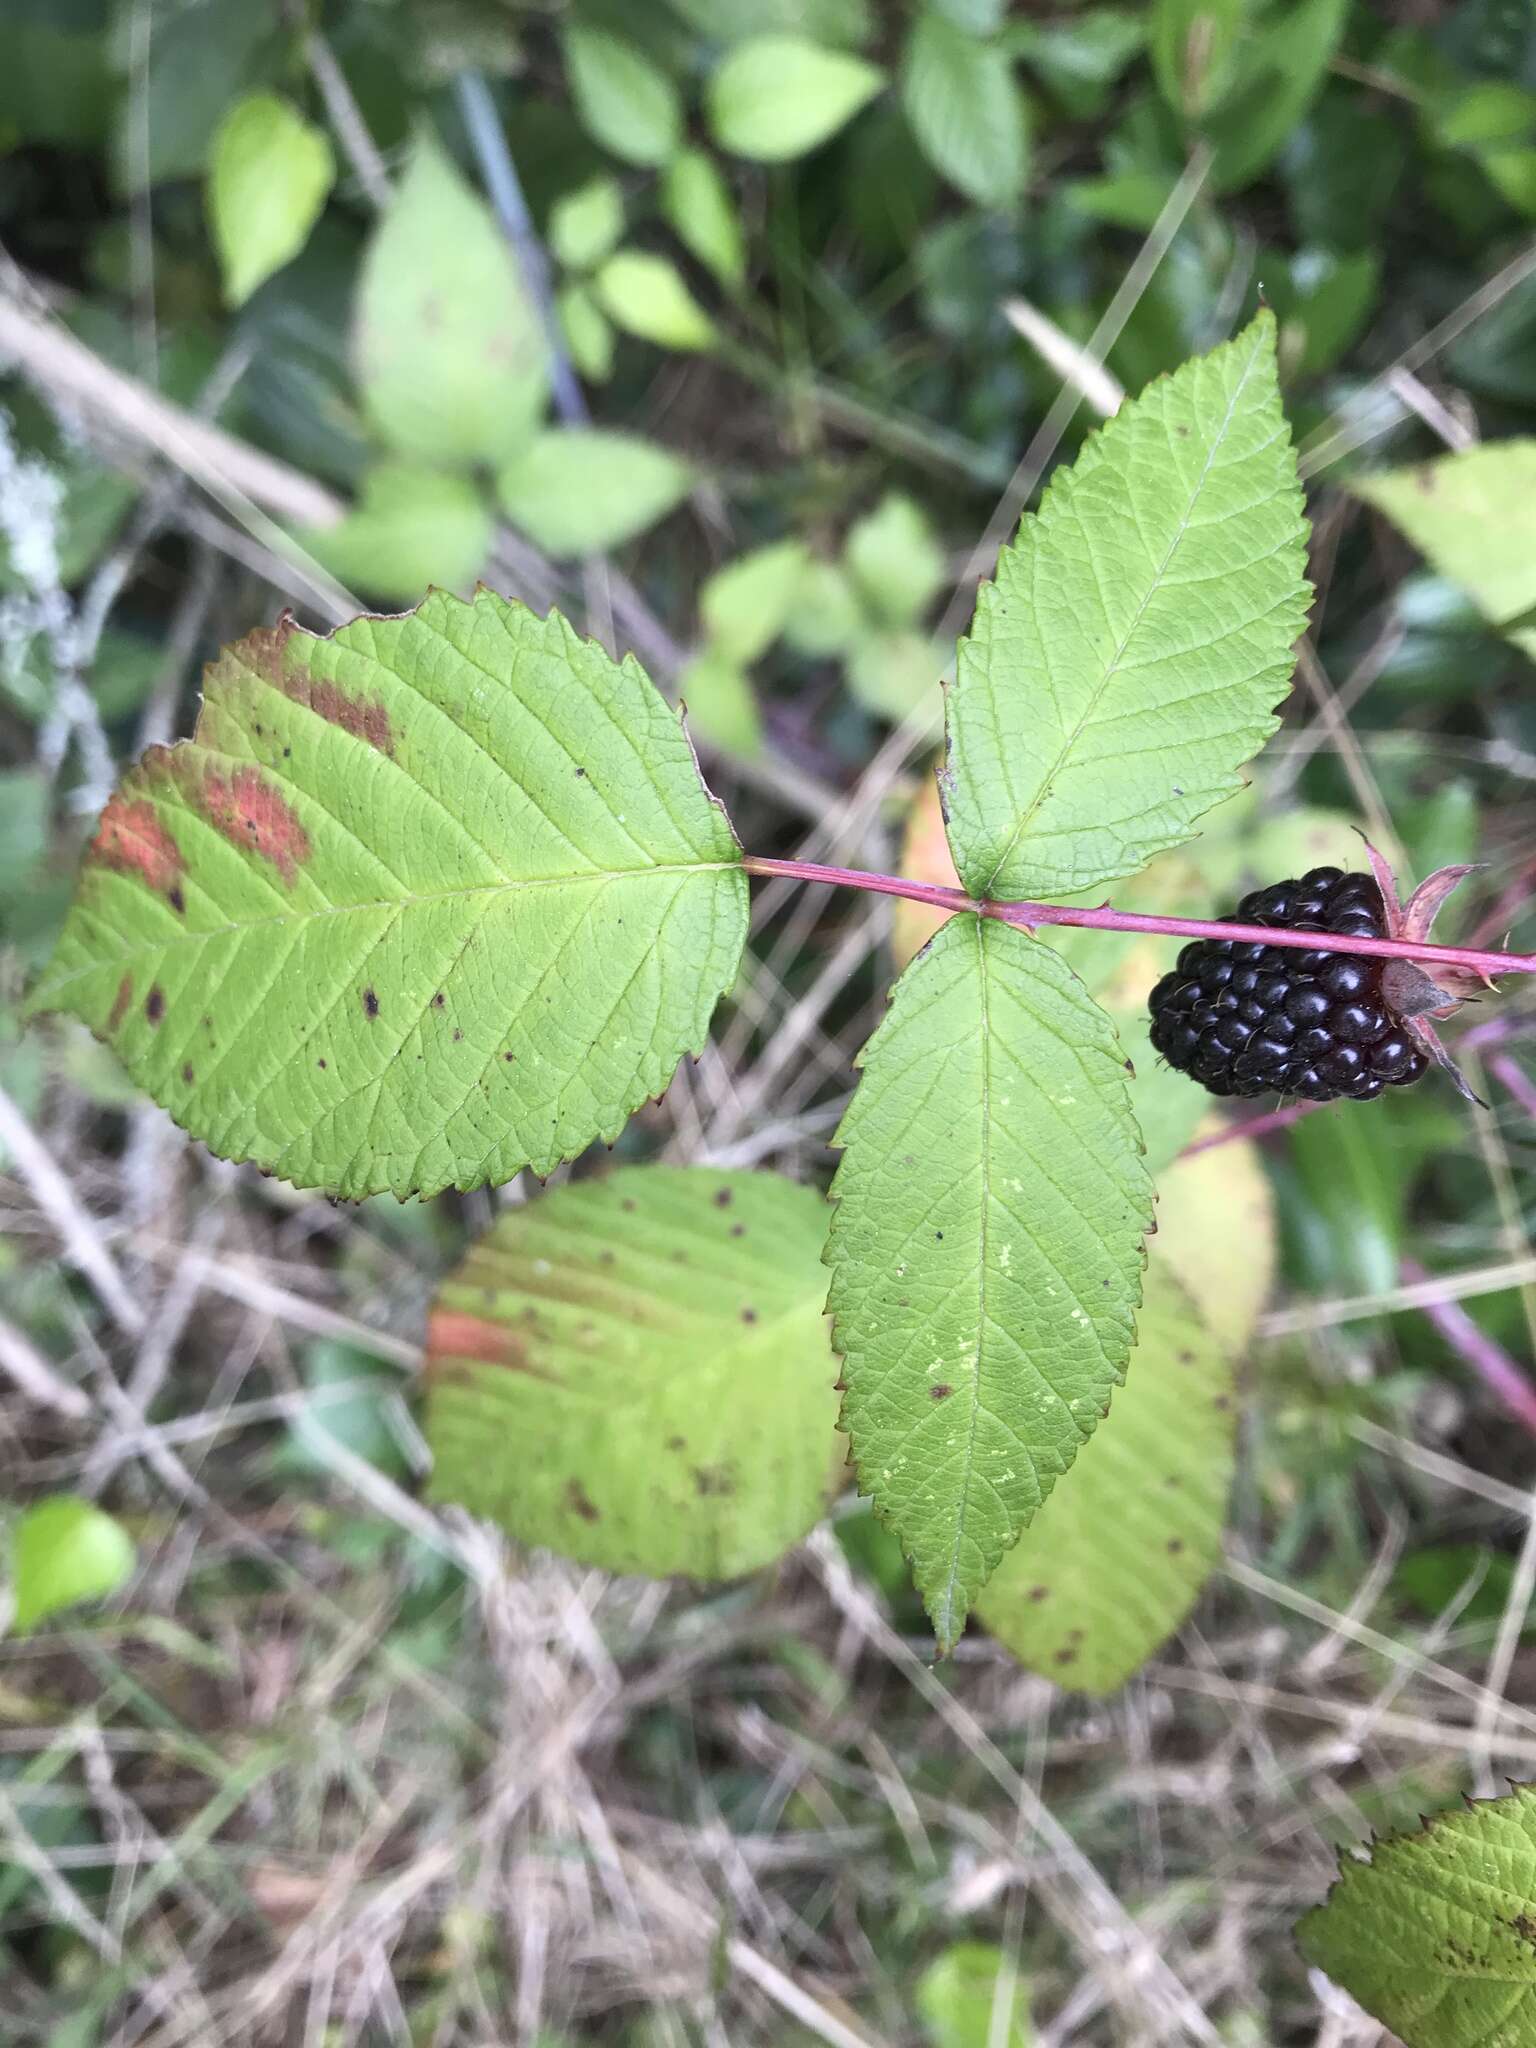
81	1234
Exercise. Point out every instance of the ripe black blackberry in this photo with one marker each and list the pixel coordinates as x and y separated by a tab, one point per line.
1249	1019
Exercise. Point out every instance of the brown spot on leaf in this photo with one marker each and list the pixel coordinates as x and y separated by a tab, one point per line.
252	814
580	1502
154	1004
723	1198
362	716
187	1073
131	840
1066	1656
451	1333
370	1003
712	1480
177	901
1039	1593
1175	1545
120	1002
749	1315
677	1443
1524	1924
940	1393
437	1000
738	1230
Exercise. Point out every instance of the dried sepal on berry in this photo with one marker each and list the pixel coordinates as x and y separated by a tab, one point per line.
1412	995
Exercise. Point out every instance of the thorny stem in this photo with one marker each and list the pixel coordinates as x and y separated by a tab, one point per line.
1107	919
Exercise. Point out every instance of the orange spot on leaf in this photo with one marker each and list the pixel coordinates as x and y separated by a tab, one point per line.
252	814
451	1333
131	840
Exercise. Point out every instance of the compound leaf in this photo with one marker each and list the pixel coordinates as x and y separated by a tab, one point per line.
1126	661
1436	1934
635	1371
418	905
986	1248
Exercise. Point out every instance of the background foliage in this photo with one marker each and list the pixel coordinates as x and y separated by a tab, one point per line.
316	1758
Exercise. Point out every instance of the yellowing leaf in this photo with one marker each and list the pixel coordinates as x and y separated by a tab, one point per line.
1116	1558
635	1371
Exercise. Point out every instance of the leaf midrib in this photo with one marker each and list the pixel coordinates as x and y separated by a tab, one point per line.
1112	668
284	918
952	1579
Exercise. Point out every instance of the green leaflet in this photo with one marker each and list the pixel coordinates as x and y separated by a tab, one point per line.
635	1371
418	905
986	1248
1436	1934
1126	661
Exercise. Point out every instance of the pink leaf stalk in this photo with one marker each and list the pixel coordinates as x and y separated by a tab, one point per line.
1107	919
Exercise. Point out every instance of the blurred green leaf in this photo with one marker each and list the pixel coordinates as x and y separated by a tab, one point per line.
1322	301
699	208
452	360
777	97
23	824
1080	60
1345	1165
1469	1577
721	707
626	102
744	606
1194	45
587	331
581	490
960	1988
412	527
63	1551
826	617
894	673
895	561
585	225
647	297
359	1418
1283	59
1472	516
191	63
270	174
966	110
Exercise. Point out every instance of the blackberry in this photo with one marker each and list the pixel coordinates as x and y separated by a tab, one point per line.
1249	1019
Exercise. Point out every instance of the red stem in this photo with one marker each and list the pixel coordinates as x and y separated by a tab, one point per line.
1490	1361
1107	919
